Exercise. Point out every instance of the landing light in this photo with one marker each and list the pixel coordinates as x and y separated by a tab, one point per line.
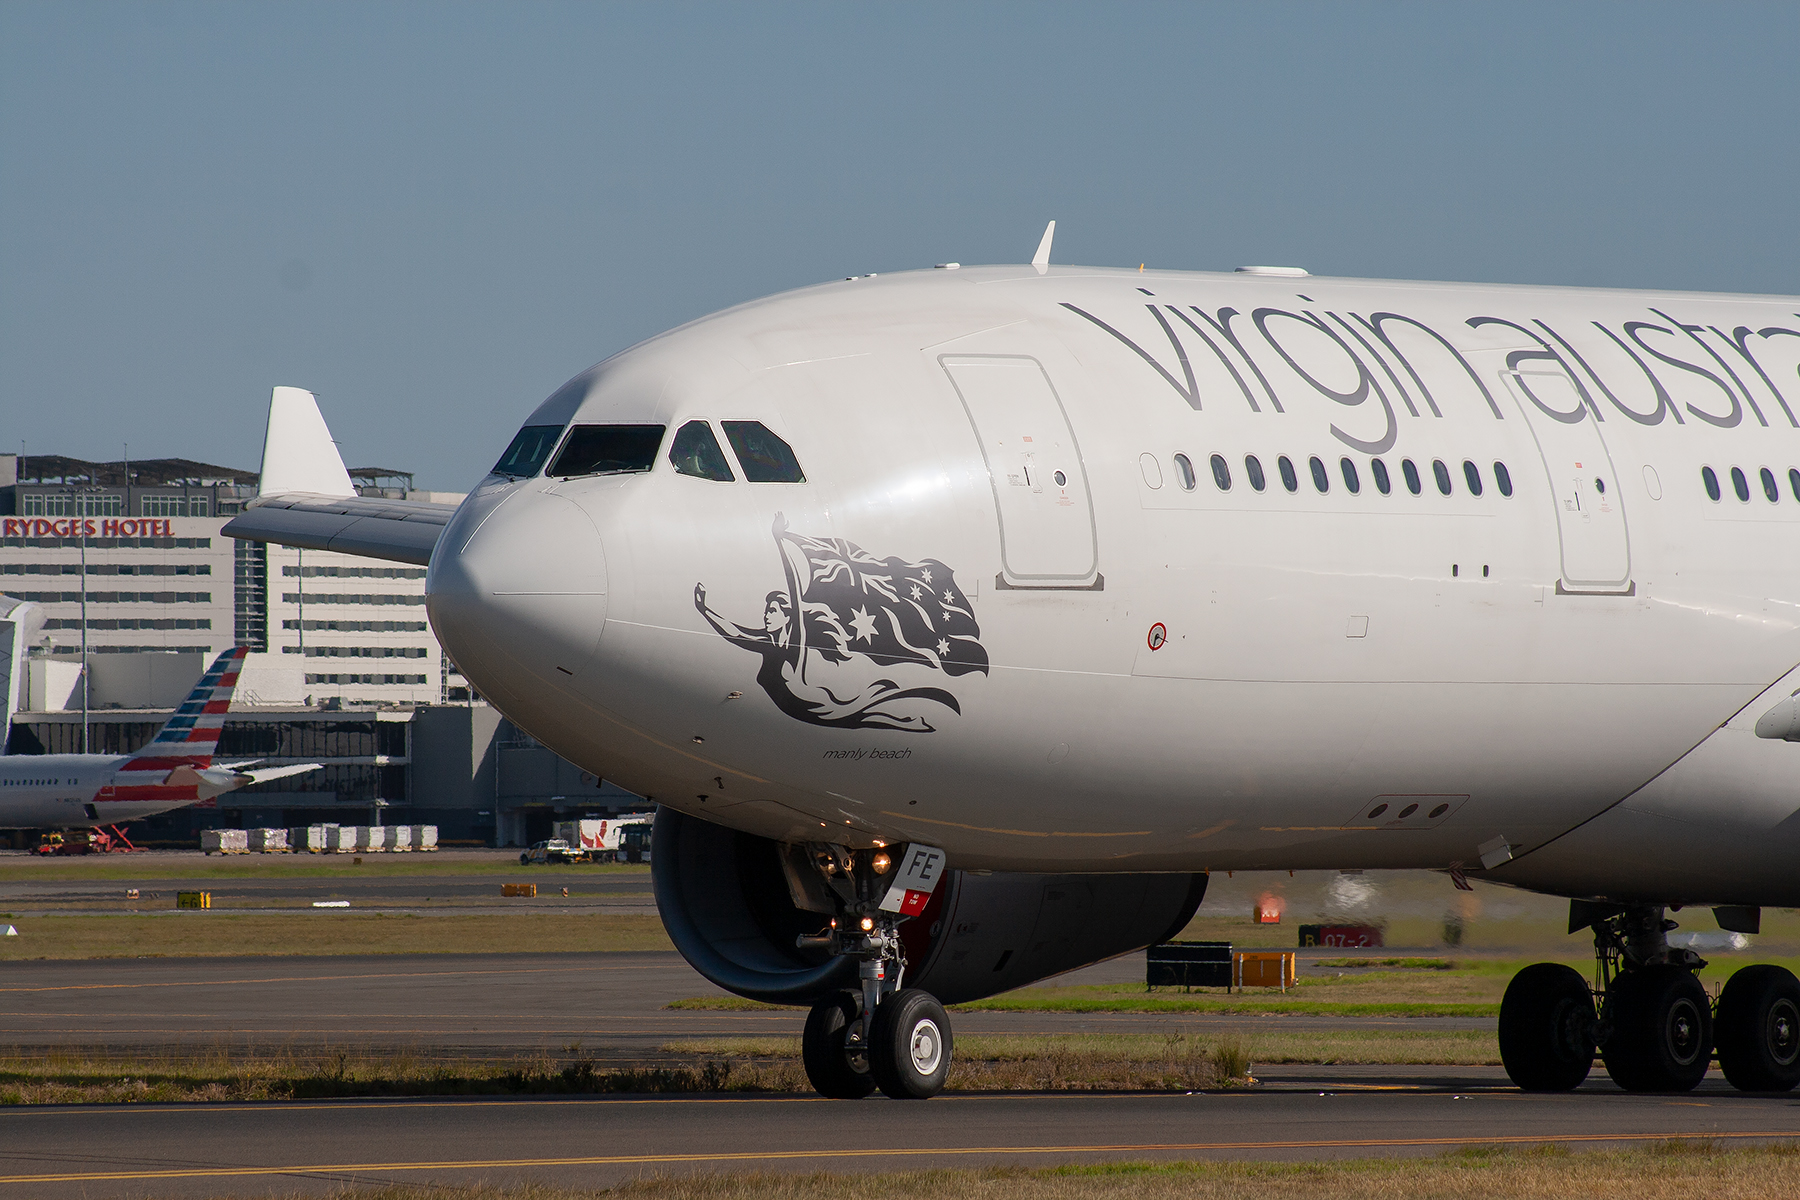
868	923
881	863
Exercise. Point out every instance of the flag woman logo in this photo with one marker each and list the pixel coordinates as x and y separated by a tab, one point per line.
855	641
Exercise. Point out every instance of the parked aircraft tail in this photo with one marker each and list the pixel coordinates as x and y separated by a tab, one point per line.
191	735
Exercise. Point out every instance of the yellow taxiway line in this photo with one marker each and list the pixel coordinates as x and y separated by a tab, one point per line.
851	1153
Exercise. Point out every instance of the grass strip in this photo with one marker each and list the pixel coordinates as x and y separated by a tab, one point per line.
1117	1059
214	933
1173	1061
1673	1170
1134	1000
222	1074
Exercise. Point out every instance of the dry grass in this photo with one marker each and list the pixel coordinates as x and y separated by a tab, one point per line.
1661	1171
99	1077
324	931
1154	1061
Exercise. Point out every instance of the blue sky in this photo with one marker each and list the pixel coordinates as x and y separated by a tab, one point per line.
434	213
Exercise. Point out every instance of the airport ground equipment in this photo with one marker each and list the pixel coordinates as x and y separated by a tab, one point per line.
1188	965
1264	968
67	842
606	839
551	850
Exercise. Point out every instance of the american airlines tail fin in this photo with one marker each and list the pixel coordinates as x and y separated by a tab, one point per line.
191	736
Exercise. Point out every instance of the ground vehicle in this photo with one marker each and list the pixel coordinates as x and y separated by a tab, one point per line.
617	839
555	850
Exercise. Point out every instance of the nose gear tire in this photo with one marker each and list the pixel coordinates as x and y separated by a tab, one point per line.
1662	1032
1547	1028
830	1066
910	1045
1757	1029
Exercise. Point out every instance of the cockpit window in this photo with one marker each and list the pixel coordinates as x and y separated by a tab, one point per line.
529	448
695	451
608	450
764	456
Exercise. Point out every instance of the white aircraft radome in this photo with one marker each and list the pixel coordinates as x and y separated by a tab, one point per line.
1099	580
173	770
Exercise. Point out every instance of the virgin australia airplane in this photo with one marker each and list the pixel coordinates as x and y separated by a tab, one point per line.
62	791
961	621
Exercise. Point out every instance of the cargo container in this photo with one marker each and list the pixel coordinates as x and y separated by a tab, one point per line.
371	837
268	841
306	839
424	837
400	837
224	841
340	839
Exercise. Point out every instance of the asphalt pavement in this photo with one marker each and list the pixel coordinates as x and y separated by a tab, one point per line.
318	1147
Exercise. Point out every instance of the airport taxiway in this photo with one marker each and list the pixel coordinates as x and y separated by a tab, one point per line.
317	1147
611	1005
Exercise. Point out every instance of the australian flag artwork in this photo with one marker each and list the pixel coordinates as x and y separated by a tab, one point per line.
855	641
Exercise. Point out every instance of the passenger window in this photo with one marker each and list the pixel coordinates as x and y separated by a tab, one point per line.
527	451
1254	470
1794	481
1184	472
764	456
1711	481
695	451
1472	476
1412	475
1221	473
1441	473
1383	484
608	450
1769	487
1740	485
1503	479
1289	480
1321	480
1350	480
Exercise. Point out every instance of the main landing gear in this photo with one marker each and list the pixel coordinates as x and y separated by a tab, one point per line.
879	1035
1654	1026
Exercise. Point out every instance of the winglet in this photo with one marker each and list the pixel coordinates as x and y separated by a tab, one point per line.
1041	260
298	453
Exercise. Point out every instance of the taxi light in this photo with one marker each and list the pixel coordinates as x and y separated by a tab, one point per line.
881	862
868	923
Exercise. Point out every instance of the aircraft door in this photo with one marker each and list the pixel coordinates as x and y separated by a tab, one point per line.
1590	513
1034	464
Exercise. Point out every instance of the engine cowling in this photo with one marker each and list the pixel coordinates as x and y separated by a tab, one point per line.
726	904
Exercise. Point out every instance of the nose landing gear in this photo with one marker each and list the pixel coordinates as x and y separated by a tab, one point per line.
1654	1028
880	1035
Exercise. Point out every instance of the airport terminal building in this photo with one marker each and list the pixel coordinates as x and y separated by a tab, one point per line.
343	669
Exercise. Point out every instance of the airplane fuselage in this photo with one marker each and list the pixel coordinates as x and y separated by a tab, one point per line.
1096	570
62	791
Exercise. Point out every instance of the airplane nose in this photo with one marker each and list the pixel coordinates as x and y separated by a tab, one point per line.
525	588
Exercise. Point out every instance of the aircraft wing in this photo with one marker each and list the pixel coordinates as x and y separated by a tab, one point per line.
397	530
265	774
307	499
